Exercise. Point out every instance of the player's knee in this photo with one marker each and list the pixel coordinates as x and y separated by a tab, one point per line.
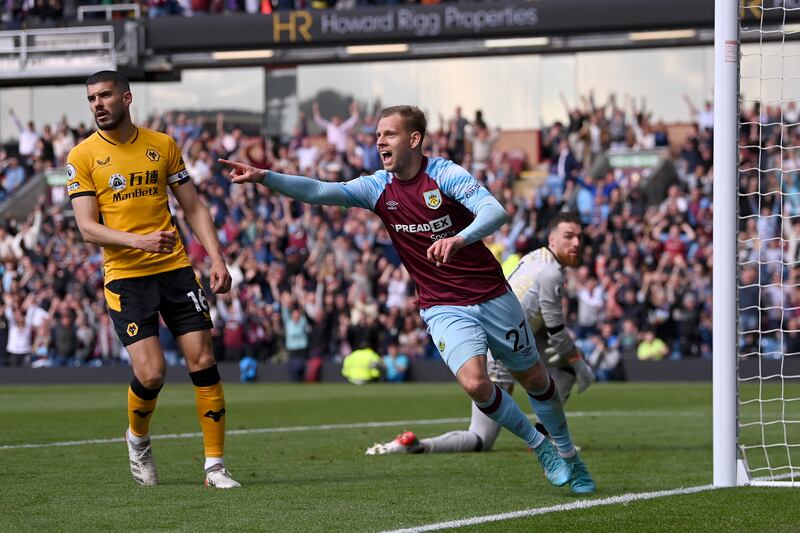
479	388
535	378
202	357
151	374
152	379
205	359
198	352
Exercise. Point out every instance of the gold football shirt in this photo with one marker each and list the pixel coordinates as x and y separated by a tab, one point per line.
130	182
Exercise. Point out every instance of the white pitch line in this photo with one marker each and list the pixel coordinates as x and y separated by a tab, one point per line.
327	427
582	504
253	431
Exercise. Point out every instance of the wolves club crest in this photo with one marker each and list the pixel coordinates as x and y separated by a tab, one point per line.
433	199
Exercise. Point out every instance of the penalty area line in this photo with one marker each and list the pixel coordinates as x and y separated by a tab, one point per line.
328	427
582	504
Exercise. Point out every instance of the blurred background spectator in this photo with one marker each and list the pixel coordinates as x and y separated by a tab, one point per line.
395	363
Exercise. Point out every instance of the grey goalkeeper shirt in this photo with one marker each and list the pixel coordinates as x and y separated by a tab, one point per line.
538	283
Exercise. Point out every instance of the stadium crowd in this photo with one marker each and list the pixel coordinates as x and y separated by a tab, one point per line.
22	13
317	283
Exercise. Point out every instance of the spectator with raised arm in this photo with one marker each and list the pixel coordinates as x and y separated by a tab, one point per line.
335	129
703	118
27	136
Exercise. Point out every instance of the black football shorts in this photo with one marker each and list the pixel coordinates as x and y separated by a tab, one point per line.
134	304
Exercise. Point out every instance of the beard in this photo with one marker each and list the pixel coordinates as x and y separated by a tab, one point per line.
112	121
570	261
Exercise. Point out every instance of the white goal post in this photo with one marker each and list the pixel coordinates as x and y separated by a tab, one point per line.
726	90
756	277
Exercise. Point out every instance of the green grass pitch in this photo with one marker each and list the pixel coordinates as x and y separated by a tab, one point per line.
312	475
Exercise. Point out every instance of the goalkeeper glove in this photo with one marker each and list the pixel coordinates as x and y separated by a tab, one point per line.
583	372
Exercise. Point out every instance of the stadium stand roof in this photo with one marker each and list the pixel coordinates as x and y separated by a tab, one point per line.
159	48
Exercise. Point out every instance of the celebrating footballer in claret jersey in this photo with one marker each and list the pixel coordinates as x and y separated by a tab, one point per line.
537	282
436	214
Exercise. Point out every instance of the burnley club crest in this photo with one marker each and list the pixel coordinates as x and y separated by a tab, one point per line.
433	199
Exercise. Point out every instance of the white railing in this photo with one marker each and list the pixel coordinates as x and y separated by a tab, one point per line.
110	9
127	48
61	52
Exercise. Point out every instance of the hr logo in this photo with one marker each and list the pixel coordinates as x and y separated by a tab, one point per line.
299	22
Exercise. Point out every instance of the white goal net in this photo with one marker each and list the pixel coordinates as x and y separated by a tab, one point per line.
768	244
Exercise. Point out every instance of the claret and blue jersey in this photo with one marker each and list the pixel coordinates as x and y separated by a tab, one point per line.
437	203
466	302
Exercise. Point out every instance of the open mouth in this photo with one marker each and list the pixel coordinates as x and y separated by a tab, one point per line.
386	157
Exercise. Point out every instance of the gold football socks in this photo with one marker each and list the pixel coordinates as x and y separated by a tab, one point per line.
141	404
210	401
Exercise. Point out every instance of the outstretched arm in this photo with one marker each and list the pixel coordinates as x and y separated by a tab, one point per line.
16	120
692	108
321	122
348	124
300	188
564	102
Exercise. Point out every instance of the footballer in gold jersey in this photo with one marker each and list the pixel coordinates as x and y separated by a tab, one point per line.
129	182
117	181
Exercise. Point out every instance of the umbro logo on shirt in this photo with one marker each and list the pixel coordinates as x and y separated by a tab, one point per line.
392	205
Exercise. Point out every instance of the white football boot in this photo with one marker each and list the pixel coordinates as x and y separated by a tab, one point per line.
217	476
143	466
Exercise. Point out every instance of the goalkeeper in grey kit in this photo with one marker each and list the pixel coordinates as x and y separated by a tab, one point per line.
538	283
